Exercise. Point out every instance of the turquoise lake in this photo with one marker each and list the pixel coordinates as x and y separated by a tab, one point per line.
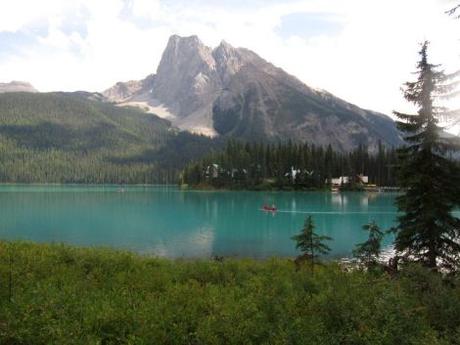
169	222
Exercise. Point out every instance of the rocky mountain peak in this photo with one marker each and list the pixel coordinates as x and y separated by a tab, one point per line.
228	60
17	86
180	50
225	48
122	91
186	77
234	92
176	39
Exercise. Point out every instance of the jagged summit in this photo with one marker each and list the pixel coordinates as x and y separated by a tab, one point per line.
176	38
225	46
180	47
234	92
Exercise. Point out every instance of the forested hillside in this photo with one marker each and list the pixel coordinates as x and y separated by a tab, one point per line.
73	137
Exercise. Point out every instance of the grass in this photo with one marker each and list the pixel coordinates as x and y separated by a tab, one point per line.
67	295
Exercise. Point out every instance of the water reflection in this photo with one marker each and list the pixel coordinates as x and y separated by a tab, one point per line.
173	223
339	199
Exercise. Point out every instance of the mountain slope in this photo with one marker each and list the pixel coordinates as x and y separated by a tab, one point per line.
232	92
74	137
67	121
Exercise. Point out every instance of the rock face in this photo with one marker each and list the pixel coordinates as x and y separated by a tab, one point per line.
233	92
17	86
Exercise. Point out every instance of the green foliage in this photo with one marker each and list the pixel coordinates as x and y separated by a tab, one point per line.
427	230
269	166
369	251
66	137
310	243
66	295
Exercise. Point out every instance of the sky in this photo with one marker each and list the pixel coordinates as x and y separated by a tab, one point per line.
360	50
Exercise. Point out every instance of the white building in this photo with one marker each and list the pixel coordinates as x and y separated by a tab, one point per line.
292	174
339	181
363	179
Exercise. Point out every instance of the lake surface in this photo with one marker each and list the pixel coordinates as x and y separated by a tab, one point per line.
166	221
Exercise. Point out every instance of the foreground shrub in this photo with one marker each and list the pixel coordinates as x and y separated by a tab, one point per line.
66	295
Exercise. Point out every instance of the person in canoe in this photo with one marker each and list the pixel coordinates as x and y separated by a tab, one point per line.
271	208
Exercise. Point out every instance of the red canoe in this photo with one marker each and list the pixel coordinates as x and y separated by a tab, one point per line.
269	208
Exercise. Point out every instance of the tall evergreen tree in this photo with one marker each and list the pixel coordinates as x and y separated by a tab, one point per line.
427	230
368	252
310	243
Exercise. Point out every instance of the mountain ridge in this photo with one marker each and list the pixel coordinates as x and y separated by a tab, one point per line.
233	92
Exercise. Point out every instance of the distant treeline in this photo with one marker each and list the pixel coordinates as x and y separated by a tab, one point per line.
289	166
20	164
131	165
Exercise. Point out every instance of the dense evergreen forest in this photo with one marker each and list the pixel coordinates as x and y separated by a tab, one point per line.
288	166
72	138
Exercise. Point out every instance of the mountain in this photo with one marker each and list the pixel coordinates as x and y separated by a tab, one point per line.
233	92
75	137
17	86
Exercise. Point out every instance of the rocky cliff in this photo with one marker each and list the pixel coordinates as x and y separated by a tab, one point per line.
233	92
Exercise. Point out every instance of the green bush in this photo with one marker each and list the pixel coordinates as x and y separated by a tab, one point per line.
67	295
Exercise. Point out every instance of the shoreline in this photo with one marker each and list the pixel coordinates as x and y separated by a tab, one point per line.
83	184
204	187
211	188
387	252
199	188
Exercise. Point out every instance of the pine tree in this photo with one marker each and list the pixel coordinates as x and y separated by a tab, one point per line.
454	11
310	243
368	252
427	230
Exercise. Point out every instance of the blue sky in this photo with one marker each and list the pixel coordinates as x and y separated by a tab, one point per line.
307	25
360	50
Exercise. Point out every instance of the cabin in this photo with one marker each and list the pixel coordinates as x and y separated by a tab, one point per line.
339	181
336	182
362	179
212	171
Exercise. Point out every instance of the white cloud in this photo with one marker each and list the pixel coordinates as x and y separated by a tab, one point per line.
366	62
147	8
14	15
